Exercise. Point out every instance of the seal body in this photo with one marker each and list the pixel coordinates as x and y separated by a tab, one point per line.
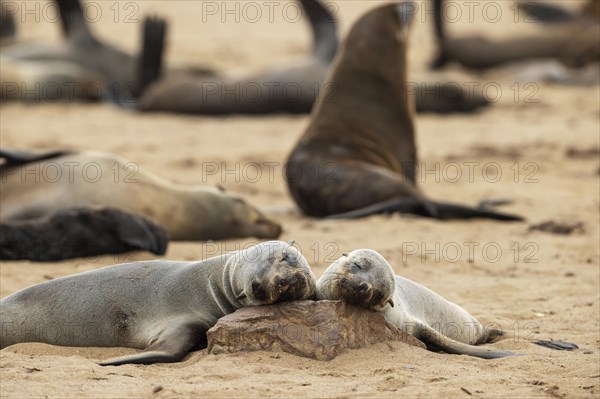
81	67
358	155
572	39
163	307
365	278
79	232
288	88
37	185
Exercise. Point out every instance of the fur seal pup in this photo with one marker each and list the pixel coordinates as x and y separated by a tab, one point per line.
35	185
81	61
79	232
364	278
573	41
358	155
162	307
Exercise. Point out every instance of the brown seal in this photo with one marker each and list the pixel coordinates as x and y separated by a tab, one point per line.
82	60
288	88
95	179
572	39
358	155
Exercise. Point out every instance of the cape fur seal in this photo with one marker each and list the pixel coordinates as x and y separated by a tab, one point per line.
289	88
285	88
82	67
162	307
35	185
575	41
79	232
358	155
364	278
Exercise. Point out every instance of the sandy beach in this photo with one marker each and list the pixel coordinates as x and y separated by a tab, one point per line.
536	145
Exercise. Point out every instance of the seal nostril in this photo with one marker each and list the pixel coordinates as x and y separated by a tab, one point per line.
258	291
363	287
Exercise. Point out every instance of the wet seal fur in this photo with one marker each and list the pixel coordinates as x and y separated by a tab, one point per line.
97	179
358	155
364	278
162	307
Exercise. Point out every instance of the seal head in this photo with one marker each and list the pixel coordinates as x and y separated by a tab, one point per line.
362	277
272	272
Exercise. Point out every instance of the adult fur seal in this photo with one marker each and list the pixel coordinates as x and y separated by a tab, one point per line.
35	185
364	278
80	61
162	307
573	40
79	232
358	155
288	88
291	88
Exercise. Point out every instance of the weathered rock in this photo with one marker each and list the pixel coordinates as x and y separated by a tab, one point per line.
319	330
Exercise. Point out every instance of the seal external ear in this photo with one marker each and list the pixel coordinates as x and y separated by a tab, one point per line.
172	346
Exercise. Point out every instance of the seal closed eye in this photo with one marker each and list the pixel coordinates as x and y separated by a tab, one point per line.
164	308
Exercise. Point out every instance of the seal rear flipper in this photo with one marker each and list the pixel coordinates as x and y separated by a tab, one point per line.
447	211
73	22
557	345
139	232
324	28
170	347
546	13
401	205
436	341
151	59
8	30
18	157
442	57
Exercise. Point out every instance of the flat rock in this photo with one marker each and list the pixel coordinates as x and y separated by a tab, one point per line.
320	330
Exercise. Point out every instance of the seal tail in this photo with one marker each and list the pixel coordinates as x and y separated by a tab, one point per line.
73	21
324	28
151	58
442	57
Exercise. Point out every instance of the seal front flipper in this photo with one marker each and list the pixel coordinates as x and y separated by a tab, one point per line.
172	346
436	341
